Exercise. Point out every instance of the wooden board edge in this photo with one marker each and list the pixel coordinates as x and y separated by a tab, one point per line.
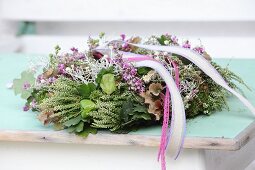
245	136
112	139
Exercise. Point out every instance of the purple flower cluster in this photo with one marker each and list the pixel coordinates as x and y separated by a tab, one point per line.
199	49
32	105
186	44
61	68
174	39
26	108
71	57
43	80
76	54
129	74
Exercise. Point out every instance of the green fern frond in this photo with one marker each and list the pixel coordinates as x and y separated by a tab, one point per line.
63	101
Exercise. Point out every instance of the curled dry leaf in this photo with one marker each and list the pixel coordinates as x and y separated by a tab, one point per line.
147	97
207	56
155	89
134	40
156	109
48	73
155	105
44	117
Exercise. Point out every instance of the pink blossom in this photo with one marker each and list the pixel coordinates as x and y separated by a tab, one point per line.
186	44
26	86
25	108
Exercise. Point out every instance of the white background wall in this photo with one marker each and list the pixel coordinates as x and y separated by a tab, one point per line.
225	27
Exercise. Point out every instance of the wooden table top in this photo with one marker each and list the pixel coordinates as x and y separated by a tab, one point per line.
227	129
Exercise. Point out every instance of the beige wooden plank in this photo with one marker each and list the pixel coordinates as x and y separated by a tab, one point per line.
106	138
113	139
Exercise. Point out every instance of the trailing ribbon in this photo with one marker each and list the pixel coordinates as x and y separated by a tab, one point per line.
177	129
176	132
163	142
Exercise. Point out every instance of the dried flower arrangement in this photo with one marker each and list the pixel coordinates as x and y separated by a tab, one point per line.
102	89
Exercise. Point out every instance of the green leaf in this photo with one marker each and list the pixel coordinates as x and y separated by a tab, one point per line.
73	121
140	108
144	116
71	129
87	131
127	109
86	89
103	72
140	112
79	127
86	107
108	84
143	70
18	84
162	39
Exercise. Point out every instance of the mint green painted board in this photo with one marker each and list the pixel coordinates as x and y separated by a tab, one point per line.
225	124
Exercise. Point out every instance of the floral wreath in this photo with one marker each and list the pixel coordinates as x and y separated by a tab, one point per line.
126	84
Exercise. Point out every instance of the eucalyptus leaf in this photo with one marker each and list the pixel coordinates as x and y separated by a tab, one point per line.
73	121
87	131
108	84
86	107
103	72
71	129
79	127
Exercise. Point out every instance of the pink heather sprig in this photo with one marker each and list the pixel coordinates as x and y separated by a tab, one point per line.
32	105
199	49
77	55
125	46
129	75
61	68
41	80
26	108
186	44
71	57
174	39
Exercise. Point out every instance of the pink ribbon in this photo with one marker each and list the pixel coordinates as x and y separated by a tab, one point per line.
163	141
166	132
177	129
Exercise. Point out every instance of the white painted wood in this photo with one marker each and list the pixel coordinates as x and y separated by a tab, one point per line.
182	29
231	160
9	43
129	10
217	47
251	166
31	156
